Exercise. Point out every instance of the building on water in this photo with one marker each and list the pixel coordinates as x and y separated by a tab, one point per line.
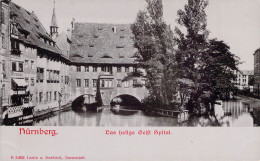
43	71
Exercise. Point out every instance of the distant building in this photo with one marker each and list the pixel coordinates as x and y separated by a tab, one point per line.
257	70
242	79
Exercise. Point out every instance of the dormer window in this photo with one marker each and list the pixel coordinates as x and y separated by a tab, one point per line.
119	47
91	45
28	12
27	21
37	26
14	29
99	28
95	36
121	37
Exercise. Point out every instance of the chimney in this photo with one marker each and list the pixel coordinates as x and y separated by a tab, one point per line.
73	24
114	29
69	33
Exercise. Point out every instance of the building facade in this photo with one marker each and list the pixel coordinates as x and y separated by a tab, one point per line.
104	52
242	79
43	72
36	68
257	70
5	55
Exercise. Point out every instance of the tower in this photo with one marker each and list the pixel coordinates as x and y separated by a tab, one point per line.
54	27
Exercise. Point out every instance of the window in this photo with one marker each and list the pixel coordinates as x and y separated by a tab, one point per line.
86	83
86	68
14	29
94	68
78	68
127	69
40	74
32	81
118	69
32	64
16	68
40	96
14	45
94	82
3	17
47	96
118	83
3	40
106	83
20	67
55	95
26	80
143	81
50	96
13	66
106	69
134	69
135	83
26	63
78	83
126	84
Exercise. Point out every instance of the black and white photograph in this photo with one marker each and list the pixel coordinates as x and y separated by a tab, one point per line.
130	63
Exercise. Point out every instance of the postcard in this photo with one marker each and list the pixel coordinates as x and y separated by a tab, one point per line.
129	80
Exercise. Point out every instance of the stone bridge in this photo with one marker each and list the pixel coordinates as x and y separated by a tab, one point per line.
108	94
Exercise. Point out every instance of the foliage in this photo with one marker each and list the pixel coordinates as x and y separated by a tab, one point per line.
192	45
199	69
208	63
154	41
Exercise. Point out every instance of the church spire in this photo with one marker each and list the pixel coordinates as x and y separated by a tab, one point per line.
54	27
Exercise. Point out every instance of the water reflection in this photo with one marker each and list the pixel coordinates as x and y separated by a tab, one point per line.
234	113
230	113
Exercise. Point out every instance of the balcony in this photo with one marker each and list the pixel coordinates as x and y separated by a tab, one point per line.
17	74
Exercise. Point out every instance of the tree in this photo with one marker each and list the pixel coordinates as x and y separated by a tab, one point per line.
192	44
154	41
208	63
218	71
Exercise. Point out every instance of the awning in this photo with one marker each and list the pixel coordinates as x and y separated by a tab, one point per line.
20	82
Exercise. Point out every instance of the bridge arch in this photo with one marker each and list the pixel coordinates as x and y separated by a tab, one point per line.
84	98
128	98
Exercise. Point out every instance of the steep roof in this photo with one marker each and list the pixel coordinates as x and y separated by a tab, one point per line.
247	72
102	43
63	44
28	22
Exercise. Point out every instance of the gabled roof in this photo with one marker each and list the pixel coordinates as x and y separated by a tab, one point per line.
247	72
102	43
29	22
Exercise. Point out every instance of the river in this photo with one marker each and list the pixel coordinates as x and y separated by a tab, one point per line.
237	114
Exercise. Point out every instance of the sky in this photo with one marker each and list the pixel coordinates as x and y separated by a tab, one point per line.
236	22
